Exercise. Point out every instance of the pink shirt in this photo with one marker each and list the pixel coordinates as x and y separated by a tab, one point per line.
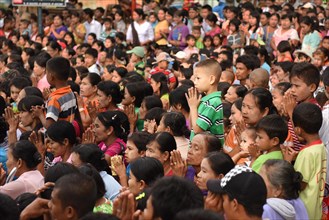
278	36
117	147
43	83
59	159
28	182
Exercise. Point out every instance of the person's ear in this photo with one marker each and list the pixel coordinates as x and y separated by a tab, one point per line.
19	163
70	212
167	129
312	87
165	156
277	192
142	153
110	130
212	79
95	88
266	111
298	130
234	205
66	142
142	185
110	98
275	141
221	176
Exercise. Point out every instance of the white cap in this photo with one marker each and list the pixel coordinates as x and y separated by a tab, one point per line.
181	55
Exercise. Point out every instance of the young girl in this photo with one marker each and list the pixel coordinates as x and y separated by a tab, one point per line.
159	84
69	39
29	91
159	147
152	119
178	102
110	130
118	74
278	94
91	38
234	39
280	72
175	124
254	32
109	31
321	59
134	94
119	23
208	46
148	103
311	37
217	40
61	137
213	166
26	54
284	52
27	117
108	95
39	78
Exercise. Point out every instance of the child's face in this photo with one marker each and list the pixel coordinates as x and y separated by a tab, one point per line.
14	91
285	23
317	60
263	141
325	43
247	139
191	42
80	62
90	40
196	33
127	98
300	90
89	60
207	43
107	25
201	80
68	39
277	99
217	41
232	28
131	152
196	22
163	64
65	54
152	19
252	21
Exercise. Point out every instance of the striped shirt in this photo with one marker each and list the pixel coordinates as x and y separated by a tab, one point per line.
210	115
61	105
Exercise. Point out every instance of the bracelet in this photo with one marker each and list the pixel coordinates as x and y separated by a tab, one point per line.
81	109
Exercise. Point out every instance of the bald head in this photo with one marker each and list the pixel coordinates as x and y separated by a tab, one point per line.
259	78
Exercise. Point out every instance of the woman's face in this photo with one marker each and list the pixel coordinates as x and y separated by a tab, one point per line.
231	95
161	15
26	118
263	20
86	88
76	161
134	185
127	98
100	131
136	16
52	52
56	148
106	75
58	21
153	150
90	40
252	21
116	77
11	161
155	86
169	18
38	70
197	150
236	115
162	126
131	152
205	174
103	99
74	19
250	110
305	28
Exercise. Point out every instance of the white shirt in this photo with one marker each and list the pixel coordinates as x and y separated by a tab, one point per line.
96	68
324	133
93	27
144	31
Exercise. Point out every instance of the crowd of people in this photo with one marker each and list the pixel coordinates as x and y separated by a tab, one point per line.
172	110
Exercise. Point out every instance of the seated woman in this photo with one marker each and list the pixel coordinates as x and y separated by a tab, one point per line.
160	147
23	159
283	185
91	154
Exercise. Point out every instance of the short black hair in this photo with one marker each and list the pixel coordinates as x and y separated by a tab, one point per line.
176	122
20	82
198	214
42	58
325	77
26	103
247	60
166	202
8	208
155	114
148	169
152	101
140	139
308	117
274	126
26	151
82	198
284	46
112	89
306	72
177	96
92	52
59	67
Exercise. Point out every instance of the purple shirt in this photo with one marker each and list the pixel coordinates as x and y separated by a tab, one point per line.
58	30
179	33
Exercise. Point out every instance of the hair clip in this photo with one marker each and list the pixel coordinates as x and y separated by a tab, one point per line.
124	130
113	118
140	196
